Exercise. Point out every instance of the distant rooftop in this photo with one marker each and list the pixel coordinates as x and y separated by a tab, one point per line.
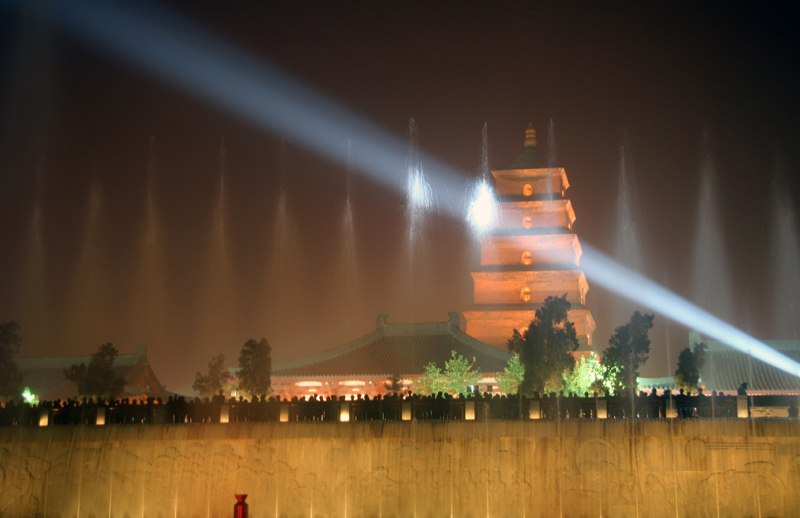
403	349
727	368
45	375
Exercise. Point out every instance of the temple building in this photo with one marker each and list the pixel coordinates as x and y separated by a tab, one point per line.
44	377
530	254
366	366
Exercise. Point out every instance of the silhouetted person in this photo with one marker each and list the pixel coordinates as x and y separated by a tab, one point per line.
742	391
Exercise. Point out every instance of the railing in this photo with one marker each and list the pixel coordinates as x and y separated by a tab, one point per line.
390	408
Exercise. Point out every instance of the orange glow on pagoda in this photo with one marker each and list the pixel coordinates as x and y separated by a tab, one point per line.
526	256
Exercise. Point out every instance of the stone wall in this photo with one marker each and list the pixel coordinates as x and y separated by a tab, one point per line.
405	469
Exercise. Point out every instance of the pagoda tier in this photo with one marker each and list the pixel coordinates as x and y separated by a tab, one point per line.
516	286
530	250
530	254
491	322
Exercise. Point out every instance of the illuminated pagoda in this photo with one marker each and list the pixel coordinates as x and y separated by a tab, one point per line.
530	254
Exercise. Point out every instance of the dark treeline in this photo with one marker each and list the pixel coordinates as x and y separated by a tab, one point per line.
392	408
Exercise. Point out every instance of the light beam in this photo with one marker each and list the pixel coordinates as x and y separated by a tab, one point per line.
606	272
212	69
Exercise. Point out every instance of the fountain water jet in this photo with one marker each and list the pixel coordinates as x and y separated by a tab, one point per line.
33	287
149	298
415	277
89	306
552	154
626	242
712	287
219	311
347	304
785	253
482	209
284	286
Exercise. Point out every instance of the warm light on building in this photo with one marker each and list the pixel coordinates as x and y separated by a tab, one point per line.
507	291
527	222
527	258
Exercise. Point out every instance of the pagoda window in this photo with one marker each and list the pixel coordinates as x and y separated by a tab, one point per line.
527	222
527	258
527	189
525	295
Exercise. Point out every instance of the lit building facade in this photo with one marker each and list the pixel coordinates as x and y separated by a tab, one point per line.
530	253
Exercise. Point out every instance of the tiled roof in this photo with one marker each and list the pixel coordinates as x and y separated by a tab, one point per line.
727	368
45	376
403	349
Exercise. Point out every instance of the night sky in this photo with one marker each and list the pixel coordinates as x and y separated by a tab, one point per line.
87	260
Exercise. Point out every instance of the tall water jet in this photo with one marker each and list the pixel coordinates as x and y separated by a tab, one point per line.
218	296
552	151
149	297
347	299
415	278
89	301
626	241
33	298
285	289
482	209
712	287
785	253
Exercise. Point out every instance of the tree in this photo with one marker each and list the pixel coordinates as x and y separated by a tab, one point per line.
587	376
255	368
629	348
394	384
546	346
690	361
10	376
458	374
512	376
217	379
98	379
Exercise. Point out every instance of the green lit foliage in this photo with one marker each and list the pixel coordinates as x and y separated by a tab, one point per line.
587	376
10	377
628	349
98	379
255	368
458	375
546	346
690	361
216	380
512	376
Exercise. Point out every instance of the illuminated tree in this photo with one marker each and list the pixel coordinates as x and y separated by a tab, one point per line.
587	376
690	361
629	348
10	377
546	347
98	379
217	380
512	376
255	368
458	374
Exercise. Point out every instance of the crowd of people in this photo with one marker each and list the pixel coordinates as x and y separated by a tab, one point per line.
390	407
